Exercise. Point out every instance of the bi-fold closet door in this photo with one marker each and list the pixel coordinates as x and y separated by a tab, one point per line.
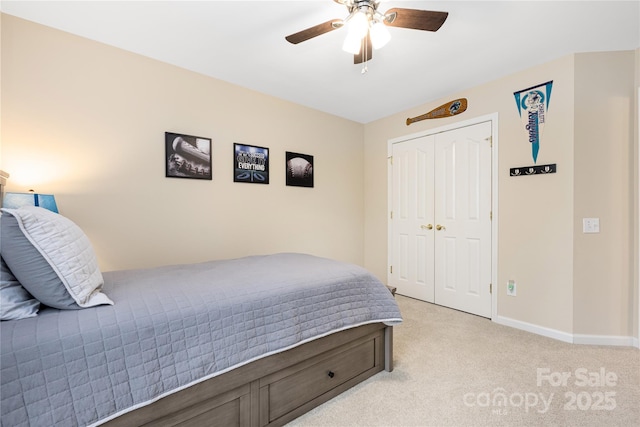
440	246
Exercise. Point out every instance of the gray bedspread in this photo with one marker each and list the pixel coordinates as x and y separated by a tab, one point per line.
172	327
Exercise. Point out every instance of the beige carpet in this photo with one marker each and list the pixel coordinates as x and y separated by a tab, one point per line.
456	369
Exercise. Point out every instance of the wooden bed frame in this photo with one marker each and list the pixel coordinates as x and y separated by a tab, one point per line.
276	389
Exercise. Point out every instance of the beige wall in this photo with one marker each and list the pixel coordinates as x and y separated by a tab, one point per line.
560	272
603	188
636	200
86	121
535	213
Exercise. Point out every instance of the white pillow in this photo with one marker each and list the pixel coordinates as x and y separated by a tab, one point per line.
15	301
52	258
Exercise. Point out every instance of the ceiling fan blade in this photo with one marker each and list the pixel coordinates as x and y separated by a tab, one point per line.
366	52
415	19
314	31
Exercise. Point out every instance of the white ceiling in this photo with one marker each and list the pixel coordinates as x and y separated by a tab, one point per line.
243	42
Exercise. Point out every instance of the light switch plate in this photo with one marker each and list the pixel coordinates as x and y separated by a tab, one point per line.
590	225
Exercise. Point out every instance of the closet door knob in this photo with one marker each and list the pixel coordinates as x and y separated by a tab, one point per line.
440	227
426	227
331	374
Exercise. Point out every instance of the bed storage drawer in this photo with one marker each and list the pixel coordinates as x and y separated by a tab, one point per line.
274	390
287	392
229	410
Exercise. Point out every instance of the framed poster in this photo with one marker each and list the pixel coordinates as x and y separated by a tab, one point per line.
299	169
187	156
250	164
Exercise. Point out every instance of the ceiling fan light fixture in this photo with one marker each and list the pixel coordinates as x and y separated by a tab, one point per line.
366	26
358	25
352	44
380	35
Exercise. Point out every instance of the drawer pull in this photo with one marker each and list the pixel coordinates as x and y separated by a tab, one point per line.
331	374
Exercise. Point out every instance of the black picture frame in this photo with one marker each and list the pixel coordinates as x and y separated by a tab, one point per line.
187	156
299	169
250	164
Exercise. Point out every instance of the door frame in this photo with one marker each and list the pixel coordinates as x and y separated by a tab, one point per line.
493	118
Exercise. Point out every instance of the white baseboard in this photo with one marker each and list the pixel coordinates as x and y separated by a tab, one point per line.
610	340
536	329
603	340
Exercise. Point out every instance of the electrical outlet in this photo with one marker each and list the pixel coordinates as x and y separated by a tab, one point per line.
511	288
590	225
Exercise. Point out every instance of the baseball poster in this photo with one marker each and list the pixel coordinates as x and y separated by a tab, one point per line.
299	169
533	104
250	164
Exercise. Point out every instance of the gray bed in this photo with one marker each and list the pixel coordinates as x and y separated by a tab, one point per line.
216	343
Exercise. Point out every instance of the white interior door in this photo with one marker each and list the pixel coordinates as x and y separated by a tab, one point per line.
441	218
463	219
413	244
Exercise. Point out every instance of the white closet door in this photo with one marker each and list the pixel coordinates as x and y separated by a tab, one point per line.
441	225
412	246
462	216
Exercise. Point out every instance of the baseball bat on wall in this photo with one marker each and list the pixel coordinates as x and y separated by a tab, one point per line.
449	109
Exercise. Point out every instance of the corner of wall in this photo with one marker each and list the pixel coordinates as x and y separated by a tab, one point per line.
603	289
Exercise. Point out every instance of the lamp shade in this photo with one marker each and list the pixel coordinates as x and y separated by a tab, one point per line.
16	200
358	25
352	44
379	35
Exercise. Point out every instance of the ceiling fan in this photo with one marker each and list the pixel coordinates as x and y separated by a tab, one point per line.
367	26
